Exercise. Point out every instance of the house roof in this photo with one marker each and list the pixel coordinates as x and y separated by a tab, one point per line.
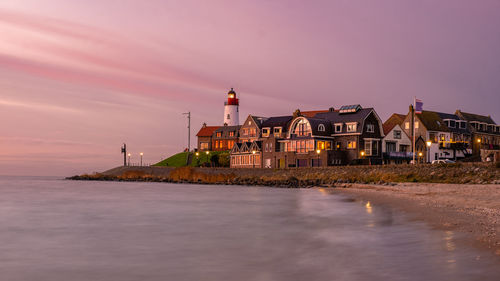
432	121
278	121
337	117
395	119
207	131
476	117
315	122
225	131
453	117
258	120
312	113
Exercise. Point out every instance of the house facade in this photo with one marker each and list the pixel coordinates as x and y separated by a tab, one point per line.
396	144
350	135
485	135
442	135
205	135
224	138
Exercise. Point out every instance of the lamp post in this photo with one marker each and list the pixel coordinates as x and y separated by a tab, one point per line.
420	154
428	143
207	152
318	152
129	158
253	158
141	157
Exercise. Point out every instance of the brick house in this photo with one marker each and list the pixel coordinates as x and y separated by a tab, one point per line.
329	137
224	137
205	135
485	135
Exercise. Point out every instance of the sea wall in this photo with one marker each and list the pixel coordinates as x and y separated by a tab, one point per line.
460	173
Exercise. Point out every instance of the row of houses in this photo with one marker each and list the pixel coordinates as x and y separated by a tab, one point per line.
352	134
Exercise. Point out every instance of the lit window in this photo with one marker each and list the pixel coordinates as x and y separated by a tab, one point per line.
351	144
229	116
416	124
407	125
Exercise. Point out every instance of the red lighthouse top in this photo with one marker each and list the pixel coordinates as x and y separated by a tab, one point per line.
231	98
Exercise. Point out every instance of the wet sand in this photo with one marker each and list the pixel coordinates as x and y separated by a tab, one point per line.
468	208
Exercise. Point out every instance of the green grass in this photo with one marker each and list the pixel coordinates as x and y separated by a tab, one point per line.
180	159
176	160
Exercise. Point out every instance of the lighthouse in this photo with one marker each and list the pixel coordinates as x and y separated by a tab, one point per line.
231	111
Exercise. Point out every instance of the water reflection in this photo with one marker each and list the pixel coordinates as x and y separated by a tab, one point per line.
140	231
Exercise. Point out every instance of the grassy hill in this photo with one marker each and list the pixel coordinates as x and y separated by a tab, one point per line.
180	159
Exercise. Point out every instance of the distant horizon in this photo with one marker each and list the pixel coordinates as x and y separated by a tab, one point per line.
79	78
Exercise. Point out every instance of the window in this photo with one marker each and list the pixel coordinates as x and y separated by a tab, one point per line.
302	128
371	147
245	131
204	145
277	131
370	128
320	145
416	124
407	125
231	134
351	127
219	134
265	132
351	145
338	128
338	145
452	124
463	125
368	148
328	145
271	147
321	127
397	134
229	116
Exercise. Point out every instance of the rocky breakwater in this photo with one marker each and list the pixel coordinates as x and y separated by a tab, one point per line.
460	173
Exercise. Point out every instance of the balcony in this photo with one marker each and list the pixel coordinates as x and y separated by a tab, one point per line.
398	155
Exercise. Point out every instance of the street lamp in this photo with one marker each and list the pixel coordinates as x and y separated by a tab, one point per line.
253	158
318	152
207	152
362	154
129	158
429	143
141	157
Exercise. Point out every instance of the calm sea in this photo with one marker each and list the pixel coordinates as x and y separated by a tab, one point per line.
53	230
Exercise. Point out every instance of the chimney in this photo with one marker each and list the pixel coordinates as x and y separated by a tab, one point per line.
331	109
204	125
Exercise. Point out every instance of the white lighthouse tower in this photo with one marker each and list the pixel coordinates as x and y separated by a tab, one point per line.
231	111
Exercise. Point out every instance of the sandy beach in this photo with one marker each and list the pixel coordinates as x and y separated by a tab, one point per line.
468	208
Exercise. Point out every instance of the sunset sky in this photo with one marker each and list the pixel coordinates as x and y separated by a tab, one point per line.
80	77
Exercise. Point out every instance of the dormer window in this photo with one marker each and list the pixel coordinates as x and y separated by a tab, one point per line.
321	127
338	127
265	132
463	125
370	128
277	131
452	124
351	127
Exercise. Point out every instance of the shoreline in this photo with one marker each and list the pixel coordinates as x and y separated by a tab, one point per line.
473	210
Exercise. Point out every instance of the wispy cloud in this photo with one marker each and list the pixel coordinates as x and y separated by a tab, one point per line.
39	106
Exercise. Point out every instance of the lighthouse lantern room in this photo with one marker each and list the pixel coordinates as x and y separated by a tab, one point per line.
231	111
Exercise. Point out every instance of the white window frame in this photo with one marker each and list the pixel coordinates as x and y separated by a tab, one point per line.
353	126
370	128
338	127
268	132
353	144
394	135
321	128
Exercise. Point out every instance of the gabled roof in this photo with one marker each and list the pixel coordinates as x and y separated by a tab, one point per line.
475	117
279	121
315	122
258	120
395	119
207	131
432	121
453	117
